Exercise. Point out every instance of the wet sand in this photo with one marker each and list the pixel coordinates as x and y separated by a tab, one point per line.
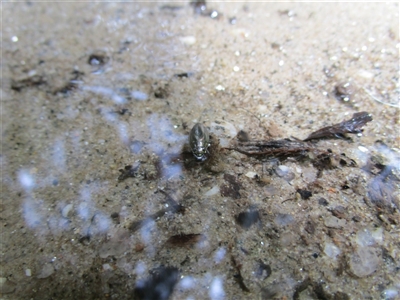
102	198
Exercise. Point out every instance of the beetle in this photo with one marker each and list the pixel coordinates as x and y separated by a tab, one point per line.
199	141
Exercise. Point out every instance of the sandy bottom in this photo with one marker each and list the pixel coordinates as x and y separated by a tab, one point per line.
103	199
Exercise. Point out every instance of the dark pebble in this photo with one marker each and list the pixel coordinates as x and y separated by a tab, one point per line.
323	202
248	218
304	194
159	285
339	211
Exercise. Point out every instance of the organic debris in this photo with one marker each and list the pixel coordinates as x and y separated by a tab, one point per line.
238	276
354	125
29	81
277	148
184	75
185	240
128	171
231	188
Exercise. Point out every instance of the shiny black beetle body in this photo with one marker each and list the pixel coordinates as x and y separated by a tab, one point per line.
199	141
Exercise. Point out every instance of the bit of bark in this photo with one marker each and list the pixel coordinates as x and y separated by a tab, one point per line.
232	188
354	125
184	75
339	211
243	136
185	240
310	227
238	276
18	85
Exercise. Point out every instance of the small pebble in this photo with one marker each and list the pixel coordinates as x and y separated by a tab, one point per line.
339	211
331	250
333	222
6	286
138	95
47	271
247	218
66	211
305	195
364	261
251	174
220	88
213	191
283	219
188	40
323	202
285	173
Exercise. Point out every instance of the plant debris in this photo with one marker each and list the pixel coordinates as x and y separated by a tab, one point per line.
185	240
238	276
354	125
71	84
184	75
243	136
35	80
128	171
284	148
277	148
232	188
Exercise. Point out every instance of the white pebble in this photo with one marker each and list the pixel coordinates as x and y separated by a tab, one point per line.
251	174
47	271
365	74
213	191
138	95
219	88
28	272
333	222
331	250
65	212
364	262
188	40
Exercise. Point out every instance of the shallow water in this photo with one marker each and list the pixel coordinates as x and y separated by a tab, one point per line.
101	197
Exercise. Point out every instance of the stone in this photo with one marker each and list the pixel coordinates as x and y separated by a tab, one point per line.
364	261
